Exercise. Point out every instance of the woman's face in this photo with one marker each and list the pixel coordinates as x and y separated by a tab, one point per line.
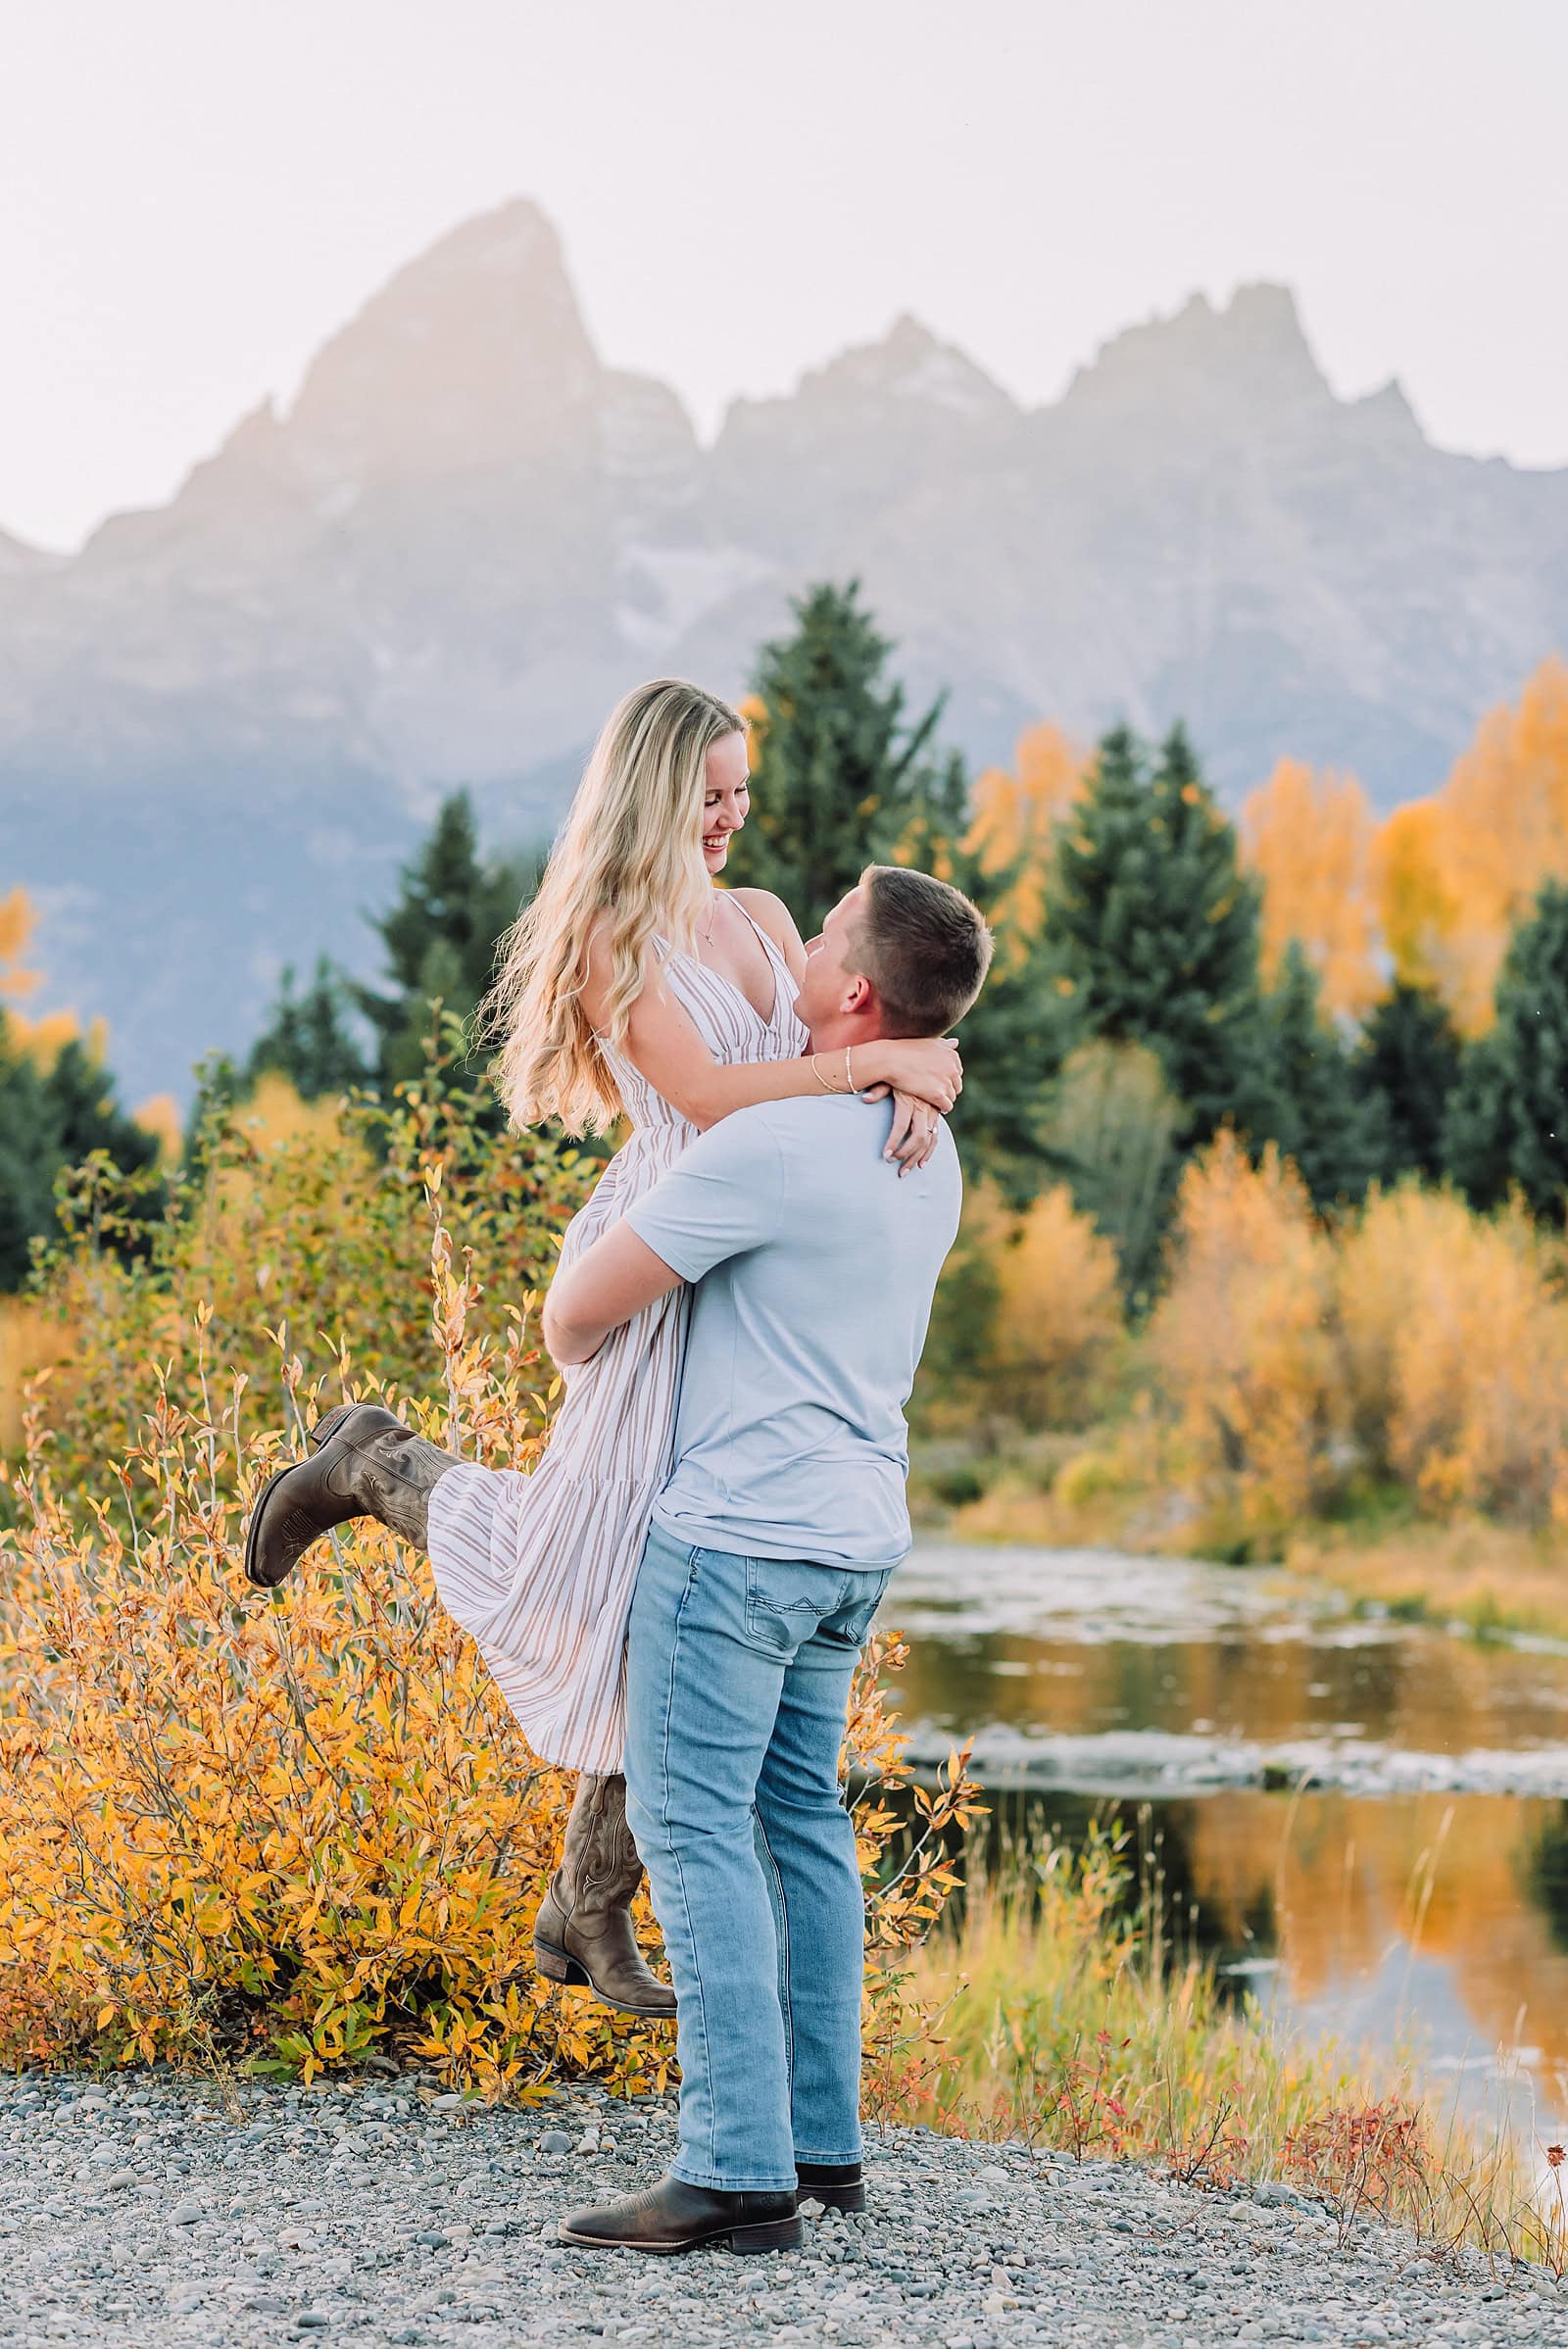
727	798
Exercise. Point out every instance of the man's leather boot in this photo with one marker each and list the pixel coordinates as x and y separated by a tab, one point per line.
583	1931
366	1463
675	2217
836	2185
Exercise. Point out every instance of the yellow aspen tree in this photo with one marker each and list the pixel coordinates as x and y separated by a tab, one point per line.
159	1114
1502	830
1417	911
1015	815
18	921
1309	838
41	1037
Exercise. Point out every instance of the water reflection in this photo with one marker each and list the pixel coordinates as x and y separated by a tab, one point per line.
1546	1874
1433	1920
1080	1668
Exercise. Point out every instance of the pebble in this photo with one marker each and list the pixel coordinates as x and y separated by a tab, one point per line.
444	2235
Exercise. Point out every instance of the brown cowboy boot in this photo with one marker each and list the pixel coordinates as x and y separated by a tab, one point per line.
366	1464
583	1931
673	2217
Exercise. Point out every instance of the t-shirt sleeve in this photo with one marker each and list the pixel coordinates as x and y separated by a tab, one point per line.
725	1196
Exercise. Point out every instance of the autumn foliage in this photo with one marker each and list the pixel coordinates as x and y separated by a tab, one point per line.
1454	1337
1240	1339
1457	872
1309	838
1417	1343
1432	894
1058	1321
1013	823
287	1832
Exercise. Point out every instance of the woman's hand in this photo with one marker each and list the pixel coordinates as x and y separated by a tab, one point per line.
912	1135
926	1066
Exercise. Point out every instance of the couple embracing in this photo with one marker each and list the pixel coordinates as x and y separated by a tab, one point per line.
675	1599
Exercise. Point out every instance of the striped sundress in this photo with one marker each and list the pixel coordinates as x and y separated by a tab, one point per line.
539	1568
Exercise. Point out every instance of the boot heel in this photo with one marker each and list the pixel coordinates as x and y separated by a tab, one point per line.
835	2198
777	2235
555	1966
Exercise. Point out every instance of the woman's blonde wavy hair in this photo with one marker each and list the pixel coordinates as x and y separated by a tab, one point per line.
631	847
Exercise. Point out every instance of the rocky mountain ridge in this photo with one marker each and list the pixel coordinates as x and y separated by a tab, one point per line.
224	721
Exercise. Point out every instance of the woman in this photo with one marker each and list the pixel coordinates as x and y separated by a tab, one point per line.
629	985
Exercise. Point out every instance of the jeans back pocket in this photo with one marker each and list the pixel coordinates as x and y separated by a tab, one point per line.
785	1601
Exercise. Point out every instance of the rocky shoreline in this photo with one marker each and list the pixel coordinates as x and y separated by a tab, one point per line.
148	2210
1141	1765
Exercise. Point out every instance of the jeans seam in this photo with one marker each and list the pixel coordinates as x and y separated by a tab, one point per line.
680	1874
783	1961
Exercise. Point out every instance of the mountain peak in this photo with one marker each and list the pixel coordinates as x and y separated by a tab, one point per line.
1266	316
909	366
1247	359
468	357
1390	409
505	241
467	537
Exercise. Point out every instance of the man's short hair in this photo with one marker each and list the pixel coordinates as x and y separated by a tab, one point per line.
924	947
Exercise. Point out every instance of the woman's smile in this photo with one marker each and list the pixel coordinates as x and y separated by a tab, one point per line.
716	843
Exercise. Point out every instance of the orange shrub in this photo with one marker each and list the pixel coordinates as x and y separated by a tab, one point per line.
1059	1323
1457	1353
1243	1339
284	1832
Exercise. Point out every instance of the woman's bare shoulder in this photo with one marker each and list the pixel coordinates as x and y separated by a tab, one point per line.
770	911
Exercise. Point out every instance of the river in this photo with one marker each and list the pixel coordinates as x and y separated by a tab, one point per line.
1364	1819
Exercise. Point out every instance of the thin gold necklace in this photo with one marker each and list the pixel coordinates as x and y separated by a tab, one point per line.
707	934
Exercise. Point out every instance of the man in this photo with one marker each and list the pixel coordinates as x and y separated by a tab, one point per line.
775	1539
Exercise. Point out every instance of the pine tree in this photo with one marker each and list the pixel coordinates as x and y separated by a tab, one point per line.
440	937
839	780
307	1038
1404	1070
29	1154
1016	1035
89	1118
56	1117
1508	1122
1153	931
1477	1127
1319	1120
1014	1044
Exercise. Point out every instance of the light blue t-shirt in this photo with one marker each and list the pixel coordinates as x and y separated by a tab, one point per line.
815	1265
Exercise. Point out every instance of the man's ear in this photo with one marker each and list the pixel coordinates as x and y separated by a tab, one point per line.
859	996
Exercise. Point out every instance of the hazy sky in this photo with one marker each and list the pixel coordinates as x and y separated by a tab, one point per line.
194	193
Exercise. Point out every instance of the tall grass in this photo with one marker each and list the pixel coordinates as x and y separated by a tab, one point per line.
1067	2016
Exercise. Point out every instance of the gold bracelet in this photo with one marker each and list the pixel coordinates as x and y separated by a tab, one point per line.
821	1080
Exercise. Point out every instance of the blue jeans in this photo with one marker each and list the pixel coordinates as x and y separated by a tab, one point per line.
738	1682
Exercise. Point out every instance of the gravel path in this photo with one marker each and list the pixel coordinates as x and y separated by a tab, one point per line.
144	2209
